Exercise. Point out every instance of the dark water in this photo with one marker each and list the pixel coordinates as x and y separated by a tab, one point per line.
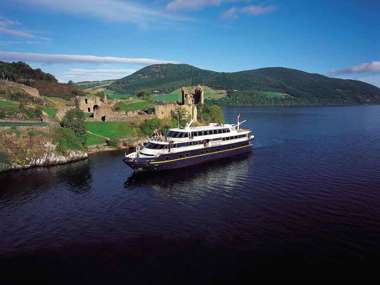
306	201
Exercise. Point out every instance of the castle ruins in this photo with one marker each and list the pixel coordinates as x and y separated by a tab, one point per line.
102	109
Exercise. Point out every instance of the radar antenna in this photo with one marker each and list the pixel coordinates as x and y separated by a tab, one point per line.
238	123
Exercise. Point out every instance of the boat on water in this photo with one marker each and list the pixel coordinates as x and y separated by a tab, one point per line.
182	147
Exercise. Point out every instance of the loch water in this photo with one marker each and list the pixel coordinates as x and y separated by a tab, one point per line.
306	200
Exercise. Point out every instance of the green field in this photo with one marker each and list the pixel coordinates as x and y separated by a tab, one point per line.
93	140
133	105
115	95
50	111
104	130
171	97
9	106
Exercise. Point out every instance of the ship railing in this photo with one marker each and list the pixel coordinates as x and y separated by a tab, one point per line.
159	138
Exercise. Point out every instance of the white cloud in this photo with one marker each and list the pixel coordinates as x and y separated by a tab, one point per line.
232	13
11	28
253	10
88	74
370	67
72	58
257	10
177	5
110	10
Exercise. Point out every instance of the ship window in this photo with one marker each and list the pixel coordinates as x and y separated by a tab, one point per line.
155	146
171	134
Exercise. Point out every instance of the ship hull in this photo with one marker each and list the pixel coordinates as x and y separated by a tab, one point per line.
189	158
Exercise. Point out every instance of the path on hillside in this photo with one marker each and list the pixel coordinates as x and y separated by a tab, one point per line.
89	132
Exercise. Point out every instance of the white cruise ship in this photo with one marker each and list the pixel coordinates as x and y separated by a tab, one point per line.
182	147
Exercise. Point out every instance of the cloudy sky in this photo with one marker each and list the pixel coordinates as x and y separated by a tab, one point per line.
104	39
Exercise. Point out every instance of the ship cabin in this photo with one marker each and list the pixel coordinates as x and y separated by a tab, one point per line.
177	140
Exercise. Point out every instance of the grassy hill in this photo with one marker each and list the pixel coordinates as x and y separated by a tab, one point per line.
265	86
21	72
93	84
46	83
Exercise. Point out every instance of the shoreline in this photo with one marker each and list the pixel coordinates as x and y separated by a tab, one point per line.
53	159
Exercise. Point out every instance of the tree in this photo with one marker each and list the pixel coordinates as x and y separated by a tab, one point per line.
216	114
74	120
143	94
182	116
211	114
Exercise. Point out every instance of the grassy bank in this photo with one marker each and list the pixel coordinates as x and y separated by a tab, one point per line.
50	111
132	105
99	132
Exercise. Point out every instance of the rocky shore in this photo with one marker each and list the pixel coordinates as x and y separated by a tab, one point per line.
18	151
48	159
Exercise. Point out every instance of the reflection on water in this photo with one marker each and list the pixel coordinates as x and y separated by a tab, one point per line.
226	171
17	184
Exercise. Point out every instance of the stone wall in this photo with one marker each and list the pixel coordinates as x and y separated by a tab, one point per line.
89	103
165	111
100	109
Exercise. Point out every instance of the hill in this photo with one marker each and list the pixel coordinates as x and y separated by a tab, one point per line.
93	84
265	86
22	72
46	83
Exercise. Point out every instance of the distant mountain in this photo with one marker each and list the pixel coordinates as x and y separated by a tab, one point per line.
275	85
93	84
46	83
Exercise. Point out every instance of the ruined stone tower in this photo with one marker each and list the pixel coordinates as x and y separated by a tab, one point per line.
192	98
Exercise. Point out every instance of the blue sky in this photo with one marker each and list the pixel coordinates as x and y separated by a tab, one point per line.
102	39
